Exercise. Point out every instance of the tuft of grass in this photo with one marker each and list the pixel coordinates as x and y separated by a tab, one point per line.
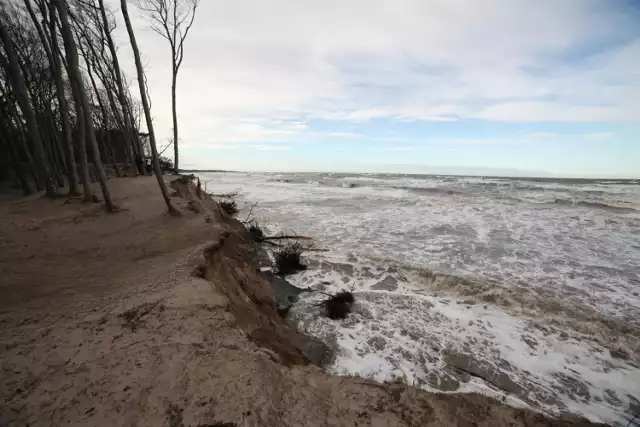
339	305
288	259
230	207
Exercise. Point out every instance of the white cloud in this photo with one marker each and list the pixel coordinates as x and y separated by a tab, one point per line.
259	71
231	146
395	148
555	112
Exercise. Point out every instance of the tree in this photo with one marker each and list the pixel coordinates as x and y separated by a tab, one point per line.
80	94
16	78
147	113
118	80
172	19
54	59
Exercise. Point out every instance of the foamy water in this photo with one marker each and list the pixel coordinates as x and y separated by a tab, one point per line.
528	289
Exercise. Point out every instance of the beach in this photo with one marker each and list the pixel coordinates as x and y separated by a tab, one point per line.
142	318
529	286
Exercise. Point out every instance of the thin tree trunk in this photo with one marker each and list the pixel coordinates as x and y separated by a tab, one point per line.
137	146
92	62
17	82
81	142
145	105
118	78
51	147
175	120
82	147
74	73
103	111
27	154
13	158
67	140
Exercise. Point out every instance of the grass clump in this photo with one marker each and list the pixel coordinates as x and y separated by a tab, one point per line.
288	259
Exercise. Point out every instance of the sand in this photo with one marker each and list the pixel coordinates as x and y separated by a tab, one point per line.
103	324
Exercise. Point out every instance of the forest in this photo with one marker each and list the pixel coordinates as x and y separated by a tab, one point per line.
69	115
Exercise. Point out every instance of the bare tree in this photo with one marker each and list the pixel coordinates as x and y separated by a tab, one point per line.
172	19
147	113
52	54
106	27
14	72
81	98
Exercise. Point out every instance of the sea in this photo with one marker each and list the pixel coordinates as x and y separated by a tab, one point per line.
523	289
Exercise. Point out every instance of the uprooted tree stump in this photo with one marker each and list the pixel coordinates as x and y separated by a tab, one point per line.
255	231
288	259
230	207
338	306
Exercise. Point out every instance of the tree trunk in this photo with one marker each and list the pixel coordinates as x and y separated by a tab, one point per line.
74	74
82	147
105	116
175	120
118	75
13	158
81	142
17	82
67	140
137	147
145	105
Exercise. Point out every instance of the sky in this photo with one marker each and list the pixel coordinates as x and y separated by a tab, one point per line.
504	87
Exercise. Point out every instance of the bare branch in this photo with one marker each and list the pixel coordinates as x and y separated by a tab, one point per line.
165	148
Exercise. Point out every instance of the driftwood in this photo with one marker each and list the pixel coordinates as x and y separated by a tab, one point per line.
226	195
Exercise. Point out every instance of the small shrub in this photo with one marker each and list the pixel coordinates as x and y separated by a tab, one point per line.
230	207
339	305
288	259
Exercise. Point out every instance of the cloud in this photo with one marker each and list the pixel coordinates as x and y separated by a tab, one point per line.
395	148
538	112
534	138
266	147
231	146
258	71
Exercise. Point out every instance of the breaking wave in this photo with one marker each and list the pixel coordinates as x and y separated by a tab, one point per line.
594	205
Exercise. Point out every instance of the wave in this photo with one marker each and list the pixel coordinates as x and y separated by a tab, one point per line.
429	190
593	205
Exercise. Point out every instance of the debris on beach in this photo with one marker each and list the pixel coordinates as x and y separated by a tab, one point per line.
255	231
288	259
230	207
338	306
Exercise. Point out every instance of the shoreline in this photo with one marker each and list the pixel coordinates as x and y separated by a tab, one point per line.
590	358
108	326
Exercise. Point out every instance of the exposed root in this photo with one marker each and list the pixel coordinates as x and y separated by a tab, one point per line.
230	207
255	231
338	306
288	259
